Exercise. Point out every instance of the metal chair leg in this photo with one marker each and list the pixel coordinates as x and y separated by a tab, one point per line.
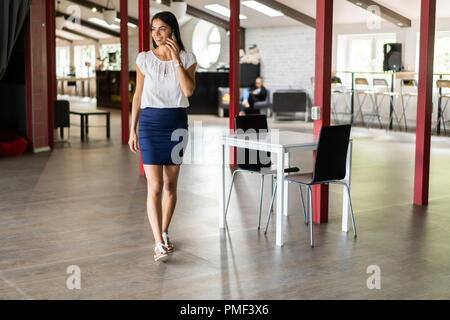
270	208
229	193
271	190
310	217
351	209
260	200
443	116
303	204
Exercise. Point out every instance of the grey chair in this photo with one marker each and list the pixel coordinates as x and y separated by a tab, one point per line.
290	101
251	160
329	167
265	106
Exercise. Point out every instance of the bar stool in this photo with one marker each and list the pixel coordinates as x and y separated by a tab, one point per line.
408	90
362	88
382	89
442	85
338	91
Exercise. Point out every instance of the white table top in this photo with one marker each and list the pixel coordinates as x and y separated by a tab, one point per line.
273	138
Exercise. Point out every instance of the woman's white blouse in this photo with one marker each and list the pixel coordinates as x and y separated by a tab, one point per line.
161	83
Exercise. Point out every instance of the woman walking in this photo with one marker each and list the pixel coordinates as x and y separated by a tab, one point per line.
165	77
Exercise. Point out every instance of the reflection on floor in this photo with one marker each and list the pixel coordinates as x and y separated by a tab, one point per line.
84	204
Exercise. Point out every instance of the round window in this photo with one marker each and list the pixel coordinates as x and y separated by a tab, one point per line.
206	43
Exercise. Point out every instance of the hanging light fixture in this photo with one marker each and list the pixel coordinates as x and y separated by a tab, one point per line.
60	22
178	8
109	13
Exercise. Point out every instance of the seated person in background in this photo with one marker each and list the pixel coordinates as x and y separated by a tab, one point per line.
248	99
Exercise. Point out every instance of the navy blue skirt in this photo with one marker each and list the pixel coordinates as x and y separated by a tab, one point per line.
163	135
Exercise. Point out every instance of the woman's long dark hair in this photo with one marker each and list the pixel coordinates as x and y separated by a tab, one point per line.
170	19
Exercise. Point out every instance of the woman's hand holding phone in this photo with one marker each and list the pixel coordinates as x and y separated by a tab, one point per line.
174	49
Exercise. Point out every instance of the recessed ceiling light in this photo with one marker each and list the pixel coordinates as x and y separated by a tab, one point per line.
132	25
217	8
103	23
400	24
94	9
359	4
255	5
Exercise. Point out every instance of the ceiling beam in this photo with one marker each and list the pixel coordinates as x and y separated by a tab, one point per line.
65	39
93	26
81	34
290	12
386	13
193	11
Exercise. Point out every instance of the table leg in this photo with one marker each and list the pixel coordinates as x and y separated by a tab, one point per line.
222	188
348	172
108	125
82	127
86	117
286	186
280	197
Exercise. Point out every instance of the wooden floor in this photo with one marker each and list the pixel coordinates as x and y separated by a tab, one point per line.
84	205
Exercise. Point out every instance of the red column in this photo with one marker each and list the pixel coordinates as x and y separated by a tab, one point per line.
322	93
51	68
124	75
234	80
144	44
28	71
144	25
424	102
38	113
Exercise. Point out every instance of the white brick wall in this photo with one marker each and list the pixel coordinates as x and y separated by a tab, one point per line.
287	55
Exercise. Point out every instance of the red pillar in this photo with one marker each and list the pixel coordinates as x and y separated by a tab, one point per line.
144	44
424	102
322	93
234	80
124	75
51	68
144	25
28	76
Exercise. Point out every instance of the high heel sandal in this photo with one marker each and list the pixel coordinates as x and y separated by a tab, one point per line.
160	252
167	244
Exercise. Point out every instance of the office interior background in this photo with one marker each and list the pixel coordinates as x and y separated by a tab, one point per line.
74	195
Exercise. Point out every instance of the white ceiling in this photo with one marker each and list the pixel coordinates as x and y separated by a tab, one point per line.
344	13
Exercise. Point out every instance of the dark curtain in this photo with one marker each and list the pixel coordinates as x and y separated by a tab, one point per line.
12	16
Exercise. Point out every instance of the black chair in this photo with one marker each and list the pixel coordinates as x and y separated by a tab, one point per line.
329	167
62	116
253	161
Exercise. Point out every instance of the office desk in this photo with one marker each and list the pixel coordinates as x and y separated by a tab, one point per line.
282	143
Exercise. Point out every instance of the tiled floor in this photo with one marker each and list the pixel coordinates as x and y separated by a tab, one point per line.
84	205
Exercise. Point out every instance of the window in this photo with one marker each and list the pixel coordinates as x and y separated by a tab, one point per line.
441	52
62	61
363	52
84	57
110	54
206	43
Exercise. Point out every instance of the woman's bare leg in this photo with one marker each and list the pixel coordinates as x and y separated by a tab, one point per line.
154	174
170	174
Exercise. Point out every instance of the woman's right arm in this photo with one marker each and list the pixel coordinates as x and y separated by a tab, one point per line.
136	110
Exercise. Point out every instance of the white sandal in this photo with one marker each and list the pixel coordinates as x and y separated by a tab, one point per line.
167	244
162	254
